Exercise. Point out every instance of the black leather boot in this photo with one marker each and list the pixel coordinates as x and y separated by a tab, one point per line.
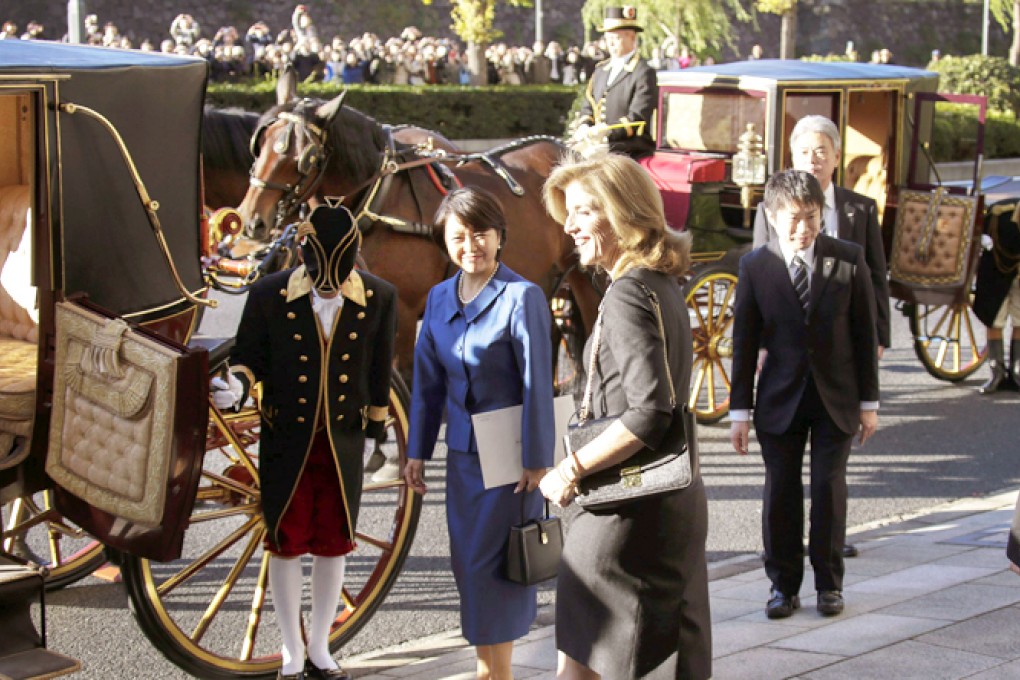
997	364
1014	362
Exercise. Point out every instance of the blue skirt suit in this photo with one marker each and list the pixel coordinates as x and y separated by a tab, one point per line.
489	354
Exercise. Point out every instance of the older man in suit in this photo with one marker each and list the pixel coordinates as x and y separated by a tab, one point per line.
622	92
806	299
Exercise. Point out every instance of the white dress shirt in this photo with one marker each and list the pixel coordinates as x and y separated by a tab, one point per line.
616	66
830	220
326	310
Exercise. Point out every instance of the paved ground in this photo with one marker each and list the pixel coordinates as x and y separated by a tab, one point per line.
929	598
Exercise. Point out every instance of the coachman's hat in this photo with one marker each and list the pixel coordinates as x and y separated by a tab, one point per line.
620	18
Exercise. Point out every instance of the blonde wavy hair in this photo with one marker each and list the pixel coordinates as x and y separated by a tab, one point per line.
627	196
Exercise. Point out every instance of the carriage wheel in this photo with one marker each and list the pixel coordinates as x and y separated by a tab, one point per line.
207	611
946	340
710	300
35	532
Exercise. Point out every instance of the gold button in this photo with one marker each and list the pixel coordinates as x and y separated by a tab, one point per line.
297	336
301	419
340	417
369	293
291	315
344	378
345	357
303	357
302	378
343	397
361	315
302	400
283	292
353	336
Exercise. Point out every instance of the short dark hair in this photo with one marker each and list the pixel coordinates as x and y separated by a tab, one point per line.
792	186
475	207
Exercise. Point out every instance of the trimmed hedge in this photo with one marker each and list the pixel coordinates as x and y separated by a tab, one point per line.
456	112
954	131
993	77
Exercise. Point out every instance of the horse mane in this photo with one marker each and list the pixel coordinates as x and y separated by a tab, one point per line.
225	138
356	140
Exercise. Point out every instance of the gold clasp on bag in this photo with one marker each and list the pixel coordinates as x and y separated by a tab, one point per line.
543	536
631	477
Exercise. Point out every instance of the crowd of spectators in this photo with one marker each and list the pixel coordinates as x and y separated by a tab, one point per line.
408	59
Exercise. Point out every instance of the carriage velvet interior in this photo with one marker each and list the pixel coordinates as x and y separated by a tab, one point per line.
18	313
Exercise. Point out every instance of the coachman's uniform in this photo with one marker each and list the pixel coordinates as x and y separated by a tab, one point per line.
632	96
337	387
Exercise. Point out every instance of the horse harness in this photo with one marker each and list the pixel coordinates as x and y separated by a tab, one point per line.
313	159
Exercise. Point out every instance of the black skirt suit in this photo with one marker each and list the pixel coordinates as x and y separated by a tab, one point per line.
632	595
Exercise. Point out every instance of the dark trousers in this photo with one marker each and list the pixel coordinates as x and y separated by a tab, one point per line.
783	516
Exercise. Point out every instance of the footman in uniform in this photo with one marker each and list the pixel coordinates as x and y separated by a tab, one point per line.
320	340
807	299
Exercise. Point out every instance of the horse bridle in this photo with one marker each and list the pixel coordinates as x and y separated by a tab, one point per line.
311	164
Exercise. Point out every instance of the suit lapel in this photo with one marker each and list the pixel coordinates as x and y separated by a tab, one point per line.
825	265
846	213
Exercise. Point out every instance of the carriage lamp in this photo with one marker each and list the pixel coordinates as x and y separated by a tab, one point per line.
748	168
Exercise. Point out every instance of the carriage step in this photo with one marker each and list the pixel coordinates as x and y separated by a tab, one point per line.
36	663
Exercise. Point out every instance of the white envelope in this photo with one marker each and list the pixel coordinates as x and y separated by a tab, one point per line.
498	434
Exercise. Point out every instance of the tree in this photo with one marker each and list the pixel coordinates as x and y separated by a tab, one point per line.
472	22
787	9
1007	13
699	24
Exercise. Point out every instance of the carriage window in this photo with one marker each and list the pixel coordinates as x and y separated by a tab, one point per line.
705	121
796	105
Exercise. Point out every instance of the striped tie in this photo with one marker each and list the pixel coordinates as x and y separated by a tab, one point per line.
800	281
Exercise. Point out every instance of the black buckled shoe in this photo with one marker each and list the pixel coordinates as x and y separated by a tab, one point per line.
830	602
312	672
850	550
780	606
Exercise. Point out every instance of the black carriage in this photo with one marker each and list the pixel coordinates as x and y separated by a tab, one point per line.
712	118
109	445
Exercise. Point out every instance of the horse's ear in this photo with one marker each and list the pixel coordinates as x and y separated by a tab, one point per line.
328	111
286	86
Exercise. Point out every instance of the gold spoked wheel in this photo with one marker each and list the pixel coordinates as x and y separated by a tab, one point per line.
208	611
948	339
35	532
710	299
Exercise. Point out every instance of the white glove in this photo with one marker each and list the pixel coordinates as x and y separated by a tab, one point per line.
581	132
226	394
986	242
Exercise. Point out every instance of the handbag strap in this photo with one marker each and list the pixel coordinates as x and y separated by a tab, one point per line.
524	507
585	412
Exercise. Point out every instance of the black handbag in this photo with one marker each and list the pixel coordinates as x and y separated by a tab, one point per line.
649	472
533	552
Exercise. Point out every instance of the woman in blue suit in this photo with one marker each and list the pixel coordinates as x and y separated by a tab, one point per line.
484	345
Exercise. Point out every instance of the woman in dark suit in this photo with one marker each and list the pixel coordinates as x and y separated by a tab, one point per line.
632	594
484	345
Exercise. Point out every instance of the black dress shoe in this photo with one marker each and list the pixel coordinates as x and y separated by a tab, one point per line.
830	602
849	550
312	672
780	606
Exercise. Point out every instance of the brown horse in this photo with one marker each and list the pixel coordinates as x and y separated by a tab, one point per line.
311	151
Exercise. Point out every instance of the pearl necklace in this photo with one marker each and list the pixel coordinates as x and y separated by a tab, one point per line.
460	286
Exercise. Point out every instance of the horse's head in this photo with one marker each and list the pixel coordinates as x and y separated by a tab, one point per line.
291	149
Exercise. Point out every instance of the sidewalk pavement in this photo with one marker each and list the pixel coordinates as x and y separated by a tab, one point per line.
929	597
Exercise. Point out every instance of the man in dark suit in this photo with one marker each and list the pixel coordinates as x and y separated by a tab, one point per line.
807	300
320	340
815	147
622	92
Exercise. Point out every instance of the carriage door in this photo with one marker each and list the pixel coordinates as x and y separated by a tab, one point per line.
19	313
955	160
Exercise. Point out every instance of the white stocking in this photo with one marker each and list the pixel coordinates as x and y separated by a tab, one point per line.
327	583
285	582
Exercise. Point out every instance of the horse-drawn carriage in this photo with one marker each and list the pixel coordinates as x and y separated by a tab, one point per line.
886	115
109	445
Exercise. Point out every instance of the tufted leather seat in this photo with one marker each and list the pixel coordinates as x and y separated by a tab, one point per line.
18	332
